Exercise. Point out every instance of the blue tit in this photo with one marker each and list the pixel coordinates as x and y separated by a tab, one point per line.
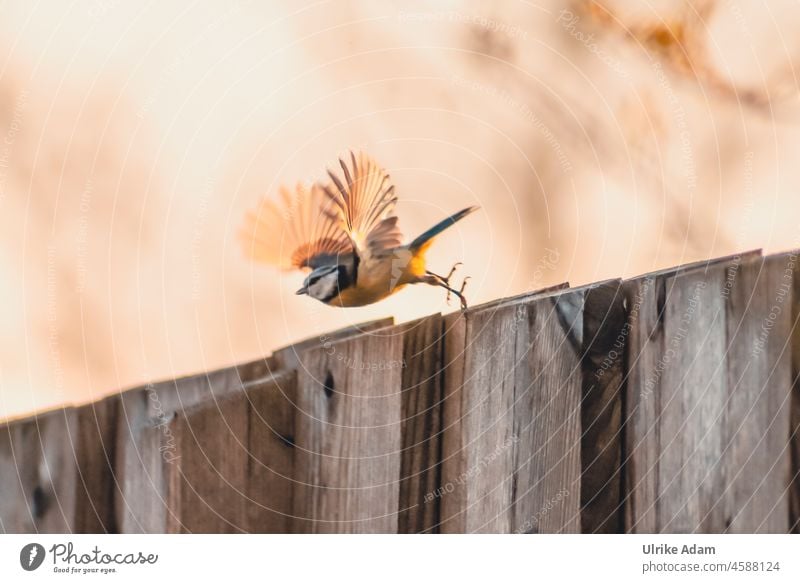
345	233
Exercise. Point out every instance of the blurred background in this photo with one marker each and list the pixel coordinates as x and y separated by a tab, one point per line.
601	139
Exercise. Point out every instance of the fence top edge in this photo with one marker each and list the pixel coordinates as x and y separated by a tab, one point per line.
521	297
9	423
702	264
547	293
217	401
359	330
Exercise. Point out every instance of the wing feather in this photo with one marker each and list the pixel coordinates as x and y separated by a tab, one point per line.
302	230
310	227
365	195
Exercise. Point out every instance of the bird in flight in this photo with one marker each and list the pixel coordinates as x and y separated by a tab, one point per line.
345	232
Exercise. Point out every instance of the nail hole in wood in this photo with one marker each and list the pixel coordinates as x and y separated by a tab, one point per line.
328	386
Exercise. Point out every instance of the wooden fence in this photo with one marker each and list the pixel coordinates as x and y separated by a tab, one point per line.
665	403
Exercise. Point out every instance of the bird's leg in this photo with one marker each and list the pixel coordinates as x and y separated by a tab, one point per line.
446	280
460	293
452	271
433	279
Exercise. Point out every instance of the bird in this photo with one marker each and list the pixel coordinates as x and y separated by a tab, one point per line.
343	231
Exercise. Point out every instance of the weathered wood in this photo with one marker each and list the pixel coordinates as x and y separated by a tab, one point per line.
207	477
794	484
168	397
453	519
271	439
673	406
348	435
646	347
139	506
95	454
693	399
420	465
144	436
145	439
38	473
513	393
56	471
454	460
604	335
520	298
707	399
792	264
232	467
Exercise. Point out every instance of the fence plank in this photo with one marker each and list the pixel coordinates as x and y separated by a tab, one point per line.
692	404
95	455
206	478
513	392
38	473
139	506
605	332
794	484
759	389
144	432
646	348
420	465
270	491
453	500
708	409
144	439
348	432
232	468
452	503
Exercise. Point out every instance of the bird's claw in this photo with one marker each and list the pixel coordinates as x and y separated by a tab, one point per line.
447	282
452	271
461	293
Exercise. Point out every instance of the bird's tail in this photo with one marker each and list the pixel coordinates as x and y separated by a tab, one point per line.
426	238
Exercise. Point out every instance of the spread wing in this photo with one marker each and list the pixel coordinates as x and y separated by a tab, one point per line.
302	230
365	199
309	227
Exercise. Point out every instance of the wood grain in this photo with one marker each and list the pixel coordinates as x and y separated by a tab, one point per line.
512	394
233	465
666	403
38	473
708	399
143	436
605	334
348	436
139	505
421	415
794	437
95	453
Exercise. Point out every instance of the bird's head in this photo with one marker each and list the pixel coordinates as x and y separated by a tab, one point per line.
322	284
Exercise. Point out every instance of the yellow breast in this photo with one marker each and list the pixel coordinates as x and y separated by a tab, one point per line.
380	277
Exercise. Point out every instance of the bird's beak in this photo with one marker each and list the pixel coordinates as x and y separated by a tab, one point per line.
302	291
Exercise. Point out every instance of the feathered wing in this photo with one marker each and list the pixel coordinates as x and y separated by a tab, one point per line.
365	199
309	227
302	230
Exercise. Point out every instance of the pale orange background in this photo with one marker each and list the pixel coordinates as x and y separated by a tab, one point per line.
133	138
